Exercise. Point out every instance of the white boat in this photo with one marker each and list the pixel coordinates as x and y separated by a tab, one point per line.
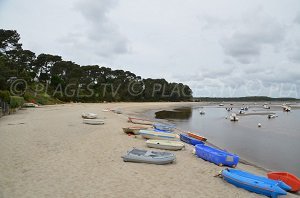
148	134
266	106
165	144
89	115
233	117
93	121
30	104
286	108
272	116
221	105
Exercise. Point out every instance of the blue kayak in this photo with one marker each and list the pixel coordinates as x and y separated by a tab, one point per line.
216	156
163	127
187	139
254	183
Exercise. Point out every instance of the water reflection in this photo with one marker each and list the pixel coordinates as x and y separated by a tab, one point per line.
180	113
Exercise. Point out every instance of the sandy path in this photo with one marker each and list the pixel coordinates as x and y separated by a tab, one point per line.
48	152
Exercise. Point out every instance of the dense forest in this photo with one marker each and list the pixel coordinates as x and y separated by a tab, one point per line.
47	77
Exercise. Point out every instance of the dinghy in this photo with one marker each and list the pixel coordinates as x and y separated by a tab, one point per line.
187	139
89	115
163	127
233	117
139	121
196	136
148	134
93	121
165	144
150	157
216	156
253	183
134	129
288	178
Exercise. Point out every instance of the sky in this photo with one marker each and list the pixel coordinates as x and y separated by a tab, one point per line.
220	48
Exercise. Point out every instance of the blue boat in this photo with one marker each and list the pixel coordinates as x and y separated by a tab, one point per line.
187	139
163	127
216	156
254	183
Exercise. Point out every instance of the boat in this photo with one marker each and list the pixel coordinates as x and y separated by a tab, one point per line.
150	134
272	116
187	139
134	129
140	121
165	144
233	117
30	104
288	178
253	183
89	115
266	106
163	127
286	108
93	121
216	156
221	105
196	136
147	156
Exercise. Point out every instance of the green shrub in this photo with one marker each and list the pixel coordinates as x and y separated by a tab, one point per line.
16	101
4	96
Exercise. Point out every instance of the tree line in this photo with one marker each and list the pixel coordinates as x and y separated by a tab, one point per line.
67	81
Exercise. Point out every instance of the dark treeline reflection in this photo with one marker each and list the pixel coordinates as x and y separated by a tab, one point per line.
180	113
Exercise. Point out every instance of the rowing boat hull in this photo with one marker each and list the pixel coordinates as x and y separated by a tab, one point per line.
165	144
288	178
198	137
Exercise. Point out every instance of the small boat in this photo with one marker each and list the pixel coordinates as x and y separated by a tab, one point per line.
163	127
93	121
150	157
272	116
288	178
253	183
165	144
202	112
221	105
140	121
134	129
286	108
266	106
233	117
187	139
216	156
89	115
30	104
196	136
106	110
149	134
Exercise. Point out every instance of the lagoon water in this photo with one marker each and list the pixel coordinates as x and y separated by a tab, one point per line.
275	145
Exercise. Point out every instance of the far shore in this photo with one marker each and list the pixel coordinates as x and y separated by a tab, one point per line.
49	152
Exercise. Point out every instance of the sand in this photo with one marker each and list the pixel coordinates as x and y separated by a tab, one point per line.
49	152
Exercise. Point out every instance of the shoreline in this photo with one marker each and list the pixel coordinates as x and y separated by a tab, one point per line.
53	154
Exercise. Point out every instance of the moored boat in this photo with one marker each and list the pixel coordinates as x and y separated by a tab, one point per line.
140	121
93	121
233	117
216	156
253	183
288	178
196	136
134	129
150	157
150	134
165	144
187	139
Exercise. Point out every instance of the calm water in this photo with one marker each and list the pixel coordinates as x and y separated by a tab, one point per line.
276	145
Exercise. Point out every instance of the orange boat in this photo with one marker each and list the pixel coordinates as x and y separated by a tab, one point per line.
198	137
288	178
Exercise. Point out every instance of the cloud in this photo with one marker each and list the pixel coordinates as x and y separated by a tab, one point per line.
297	18
246	42
98	34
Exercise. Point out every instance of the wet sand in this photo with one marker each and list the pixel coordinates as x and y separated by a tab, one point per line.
49	152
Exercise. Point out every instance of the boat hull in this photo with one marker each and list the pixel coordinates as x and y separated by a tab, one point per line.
147	134
165	144
140	121
189	140
288	178
198	137
133	130
93	121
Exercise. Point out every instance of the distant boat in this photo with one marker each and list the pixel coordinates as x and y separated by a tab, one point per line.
221	105
140	121
233	117
266	106
148	134
150	157
286	108
93	121
216	156
187	139
134	129
253	183
272	116
165	144
164	127
89	115
288	178
202	112
196	136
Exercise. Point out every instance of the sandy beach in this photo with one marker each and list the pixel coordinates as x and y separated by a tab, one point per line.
49	152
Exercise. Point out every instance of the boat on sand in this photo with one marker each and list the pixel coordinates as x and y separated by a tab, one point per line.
140	121
93	121
89	115
134	129
149	134
288	178
165	144
187	139
196	136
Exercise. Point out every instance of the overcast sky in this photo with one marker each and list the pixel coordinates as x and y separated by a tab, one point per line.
217	47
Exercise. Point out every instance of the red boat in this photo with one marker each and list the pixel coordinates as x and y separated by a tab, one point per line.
198	137
288	178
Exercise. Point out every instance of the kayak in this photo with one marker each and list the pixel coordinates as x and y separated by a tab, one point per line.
148	134
196	136
165	144
216	156
288	178
253	183
187	139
